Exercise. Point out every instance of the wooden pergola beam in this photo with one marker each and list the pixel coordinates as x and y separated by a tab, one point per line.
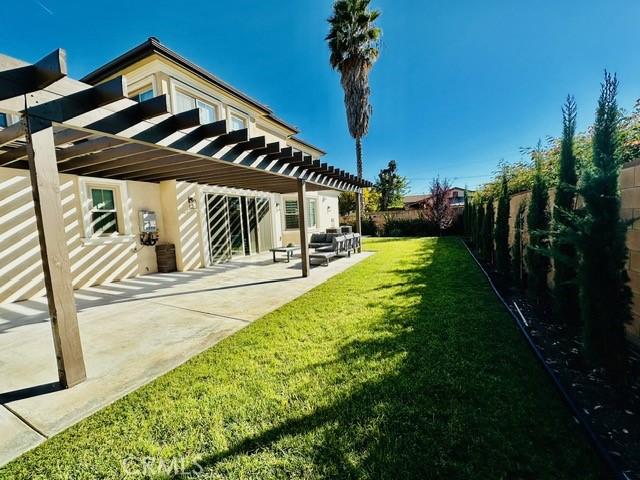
56	265
302	225
11	134
30	78
105	156
223	141
67	107
208	130
169	126
120	166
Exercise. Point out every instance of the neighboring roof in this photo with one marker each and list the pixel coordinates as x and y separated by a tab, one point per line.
420	198
414	198
153	45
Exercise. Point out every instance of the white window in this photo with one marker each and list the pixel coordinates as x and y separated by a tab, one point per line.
104	215
208	112
291	214
237	122
185	102
142	95
312	215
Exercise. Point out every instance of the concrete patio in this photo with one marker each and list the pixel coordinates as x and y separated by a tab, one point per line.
132	332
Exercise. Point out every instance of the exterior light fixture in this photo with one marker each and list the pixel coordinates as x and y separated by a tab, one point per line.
192	202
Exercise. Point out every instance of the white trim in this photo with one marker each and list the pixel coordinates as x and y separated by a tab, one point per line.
85	184
176	86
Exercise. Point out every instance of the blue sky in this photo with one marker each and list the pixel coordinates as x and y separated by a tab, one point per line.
459	84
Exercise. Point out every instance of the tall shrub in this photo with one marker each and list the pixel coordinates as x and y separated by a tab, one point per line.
565	287
517	249
466	216
502	229
538	263
477	226
605	296
486	235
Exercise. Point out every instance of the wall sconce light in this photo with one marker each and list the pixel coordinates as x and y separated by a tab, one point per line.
328	208
192	202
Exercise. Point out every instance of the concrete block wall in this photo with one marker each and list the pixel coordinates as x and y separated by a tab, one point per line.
629	182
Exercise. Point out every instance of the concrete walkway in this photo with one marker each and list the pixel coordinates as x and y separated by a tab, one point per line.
132	332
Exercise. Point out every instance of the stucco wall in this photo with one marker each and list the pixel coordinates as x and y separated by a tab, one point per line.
91	262
327	214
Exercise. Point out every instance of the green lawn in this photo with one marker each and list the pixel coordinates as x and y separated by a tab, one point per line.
405	366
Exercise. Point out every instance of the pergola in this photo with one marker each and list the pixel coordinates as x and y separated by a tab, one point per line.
71	127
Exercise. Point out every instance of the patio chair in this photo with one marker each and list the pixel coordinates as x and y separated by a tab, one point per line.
327	252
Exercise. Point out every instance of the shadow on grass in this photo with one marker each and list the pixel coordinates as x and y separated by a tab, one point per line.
463	397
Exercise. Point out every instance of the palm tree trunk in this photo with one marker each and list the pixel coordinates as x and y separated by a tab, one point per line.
359	156
359	167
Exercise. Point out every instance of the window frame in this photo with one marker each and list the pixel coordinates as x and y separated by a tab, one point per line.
297	213
178	87
124	229
98	209
141	91
315	212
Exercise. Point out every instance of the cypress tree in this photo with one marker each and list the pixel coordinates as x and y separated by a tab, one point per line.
466	216
605	296
517	266
502	229
565	287
538	263
486	235
478	224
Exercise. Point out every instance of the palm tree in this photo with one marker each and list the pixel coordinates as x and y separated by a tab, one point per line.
354	43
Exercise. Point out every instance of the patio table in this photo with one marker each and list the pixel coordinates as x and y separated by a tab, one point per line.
288	250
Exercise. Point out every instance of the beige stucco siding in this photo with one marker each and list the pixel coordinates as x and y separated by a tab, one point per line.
92	261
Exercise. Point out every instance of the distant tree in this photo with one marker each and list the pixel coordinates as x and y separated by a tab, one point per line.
347	201
565	286
605	296
517	249
391	187
354	46
486	235
502	230
438	210
537	259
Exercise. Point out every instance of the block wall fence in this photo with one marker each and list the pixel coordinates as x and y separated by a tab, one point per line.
629	181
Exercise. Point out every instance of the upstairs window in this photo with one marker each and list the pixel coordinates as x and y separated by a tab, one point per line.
291	214
143	95
237	122
104	216
185	102
208	112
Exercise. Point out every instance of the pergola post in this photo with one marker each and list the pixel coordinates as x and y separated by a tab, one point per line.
302	223
359	217
45	186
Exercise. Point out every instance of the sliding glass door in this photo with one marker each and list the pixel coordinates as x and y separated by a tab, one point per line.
237	226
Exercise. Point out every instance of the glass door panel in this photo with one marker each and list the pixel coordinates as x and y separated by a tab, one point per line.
236	226
252	229
218	229
265	226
